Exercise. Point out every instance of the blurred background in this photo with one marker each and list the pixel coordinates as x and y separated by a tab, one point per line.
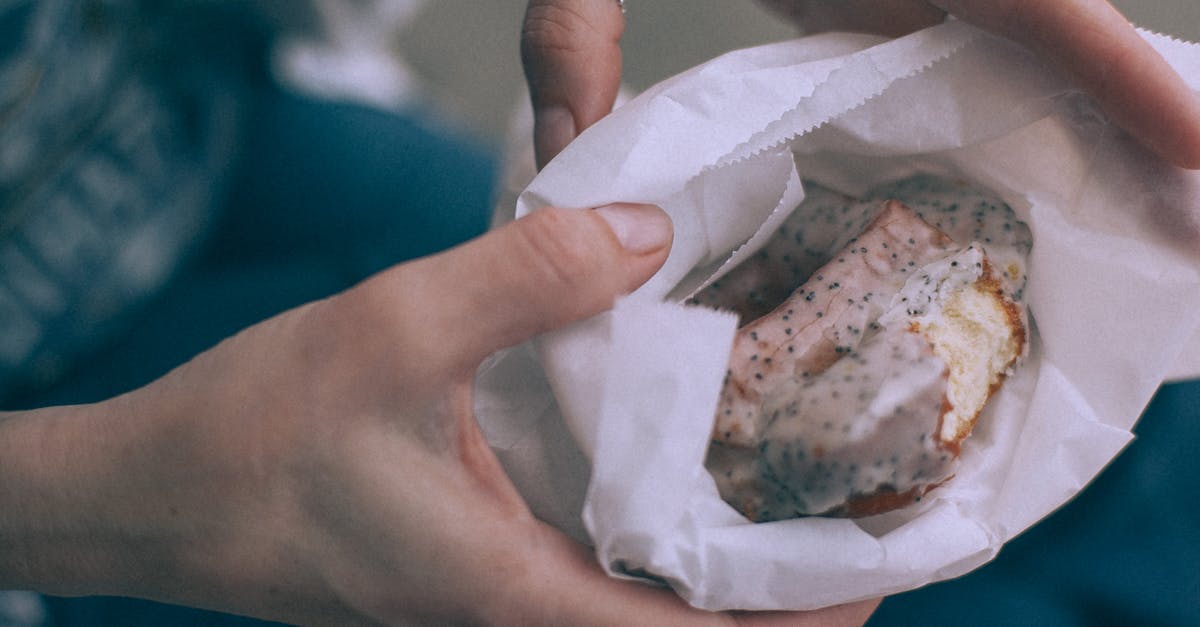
464	54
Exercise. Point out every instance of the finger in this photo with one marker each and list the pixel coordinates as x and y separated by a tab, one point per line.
578	592
855	614
538	273
1095	45
571	53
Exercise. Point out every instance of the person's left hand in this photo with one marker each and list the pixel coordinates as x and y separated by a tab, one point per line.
573	62
325	465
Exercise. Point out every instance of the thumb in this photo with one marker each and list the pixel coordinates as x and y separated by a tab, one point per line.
538	273
572	58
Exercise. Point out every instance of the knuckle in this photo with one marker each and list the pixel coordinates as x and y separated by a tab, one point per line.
563	27
552	26
560	250
555	245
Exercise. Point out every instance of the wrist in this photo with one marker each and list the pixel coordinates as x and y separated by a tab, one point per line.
143	496
57	531
102	499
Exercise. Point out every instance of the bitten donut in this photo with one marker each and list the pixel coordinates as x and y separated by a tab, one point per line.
850	394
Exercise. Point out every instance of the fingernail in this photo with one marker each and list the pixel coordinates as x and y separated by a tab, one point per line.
641	229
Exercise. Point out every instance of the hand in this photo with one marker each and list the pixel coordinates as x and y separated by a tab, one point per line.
573	65
325	467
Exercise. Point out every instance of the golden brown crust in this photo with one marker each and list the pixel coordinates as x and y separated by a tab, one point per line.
1015	322
884	500
770	456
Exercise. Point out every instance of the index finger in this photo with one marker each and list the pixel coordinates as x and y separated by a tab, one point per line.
1099	49
570	50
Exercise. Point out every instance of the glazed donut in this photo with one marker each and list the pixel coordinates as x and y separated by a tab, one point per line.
851	394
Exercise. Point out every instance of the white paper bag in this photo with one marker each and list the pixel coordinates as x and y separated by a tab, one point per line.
1113	293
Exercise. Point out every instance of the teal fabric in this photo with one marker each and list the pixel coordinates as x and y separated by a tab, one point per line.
1126	551
119	125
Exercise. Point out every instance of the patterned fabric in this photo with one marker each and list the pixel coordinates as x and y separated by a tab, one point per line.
117	120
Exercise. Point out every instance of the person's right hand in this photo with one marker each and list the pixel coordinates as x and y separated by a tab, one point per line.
573	62
1089	40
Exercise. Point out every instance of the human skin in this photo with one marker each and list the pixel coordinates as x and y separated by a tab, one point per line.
570	50
324	467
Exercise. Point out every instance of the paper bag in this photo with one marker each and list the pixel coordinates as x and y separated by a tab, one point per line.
606	422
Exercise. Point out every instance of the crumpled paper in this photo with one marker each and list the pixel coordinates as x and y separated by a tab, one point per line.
606	422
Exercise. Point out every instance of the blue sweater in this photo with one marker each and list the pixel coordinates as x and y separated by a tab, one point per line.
118	122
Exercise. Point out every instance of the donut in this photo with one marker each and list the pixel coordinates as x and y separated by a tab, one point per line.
878	328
